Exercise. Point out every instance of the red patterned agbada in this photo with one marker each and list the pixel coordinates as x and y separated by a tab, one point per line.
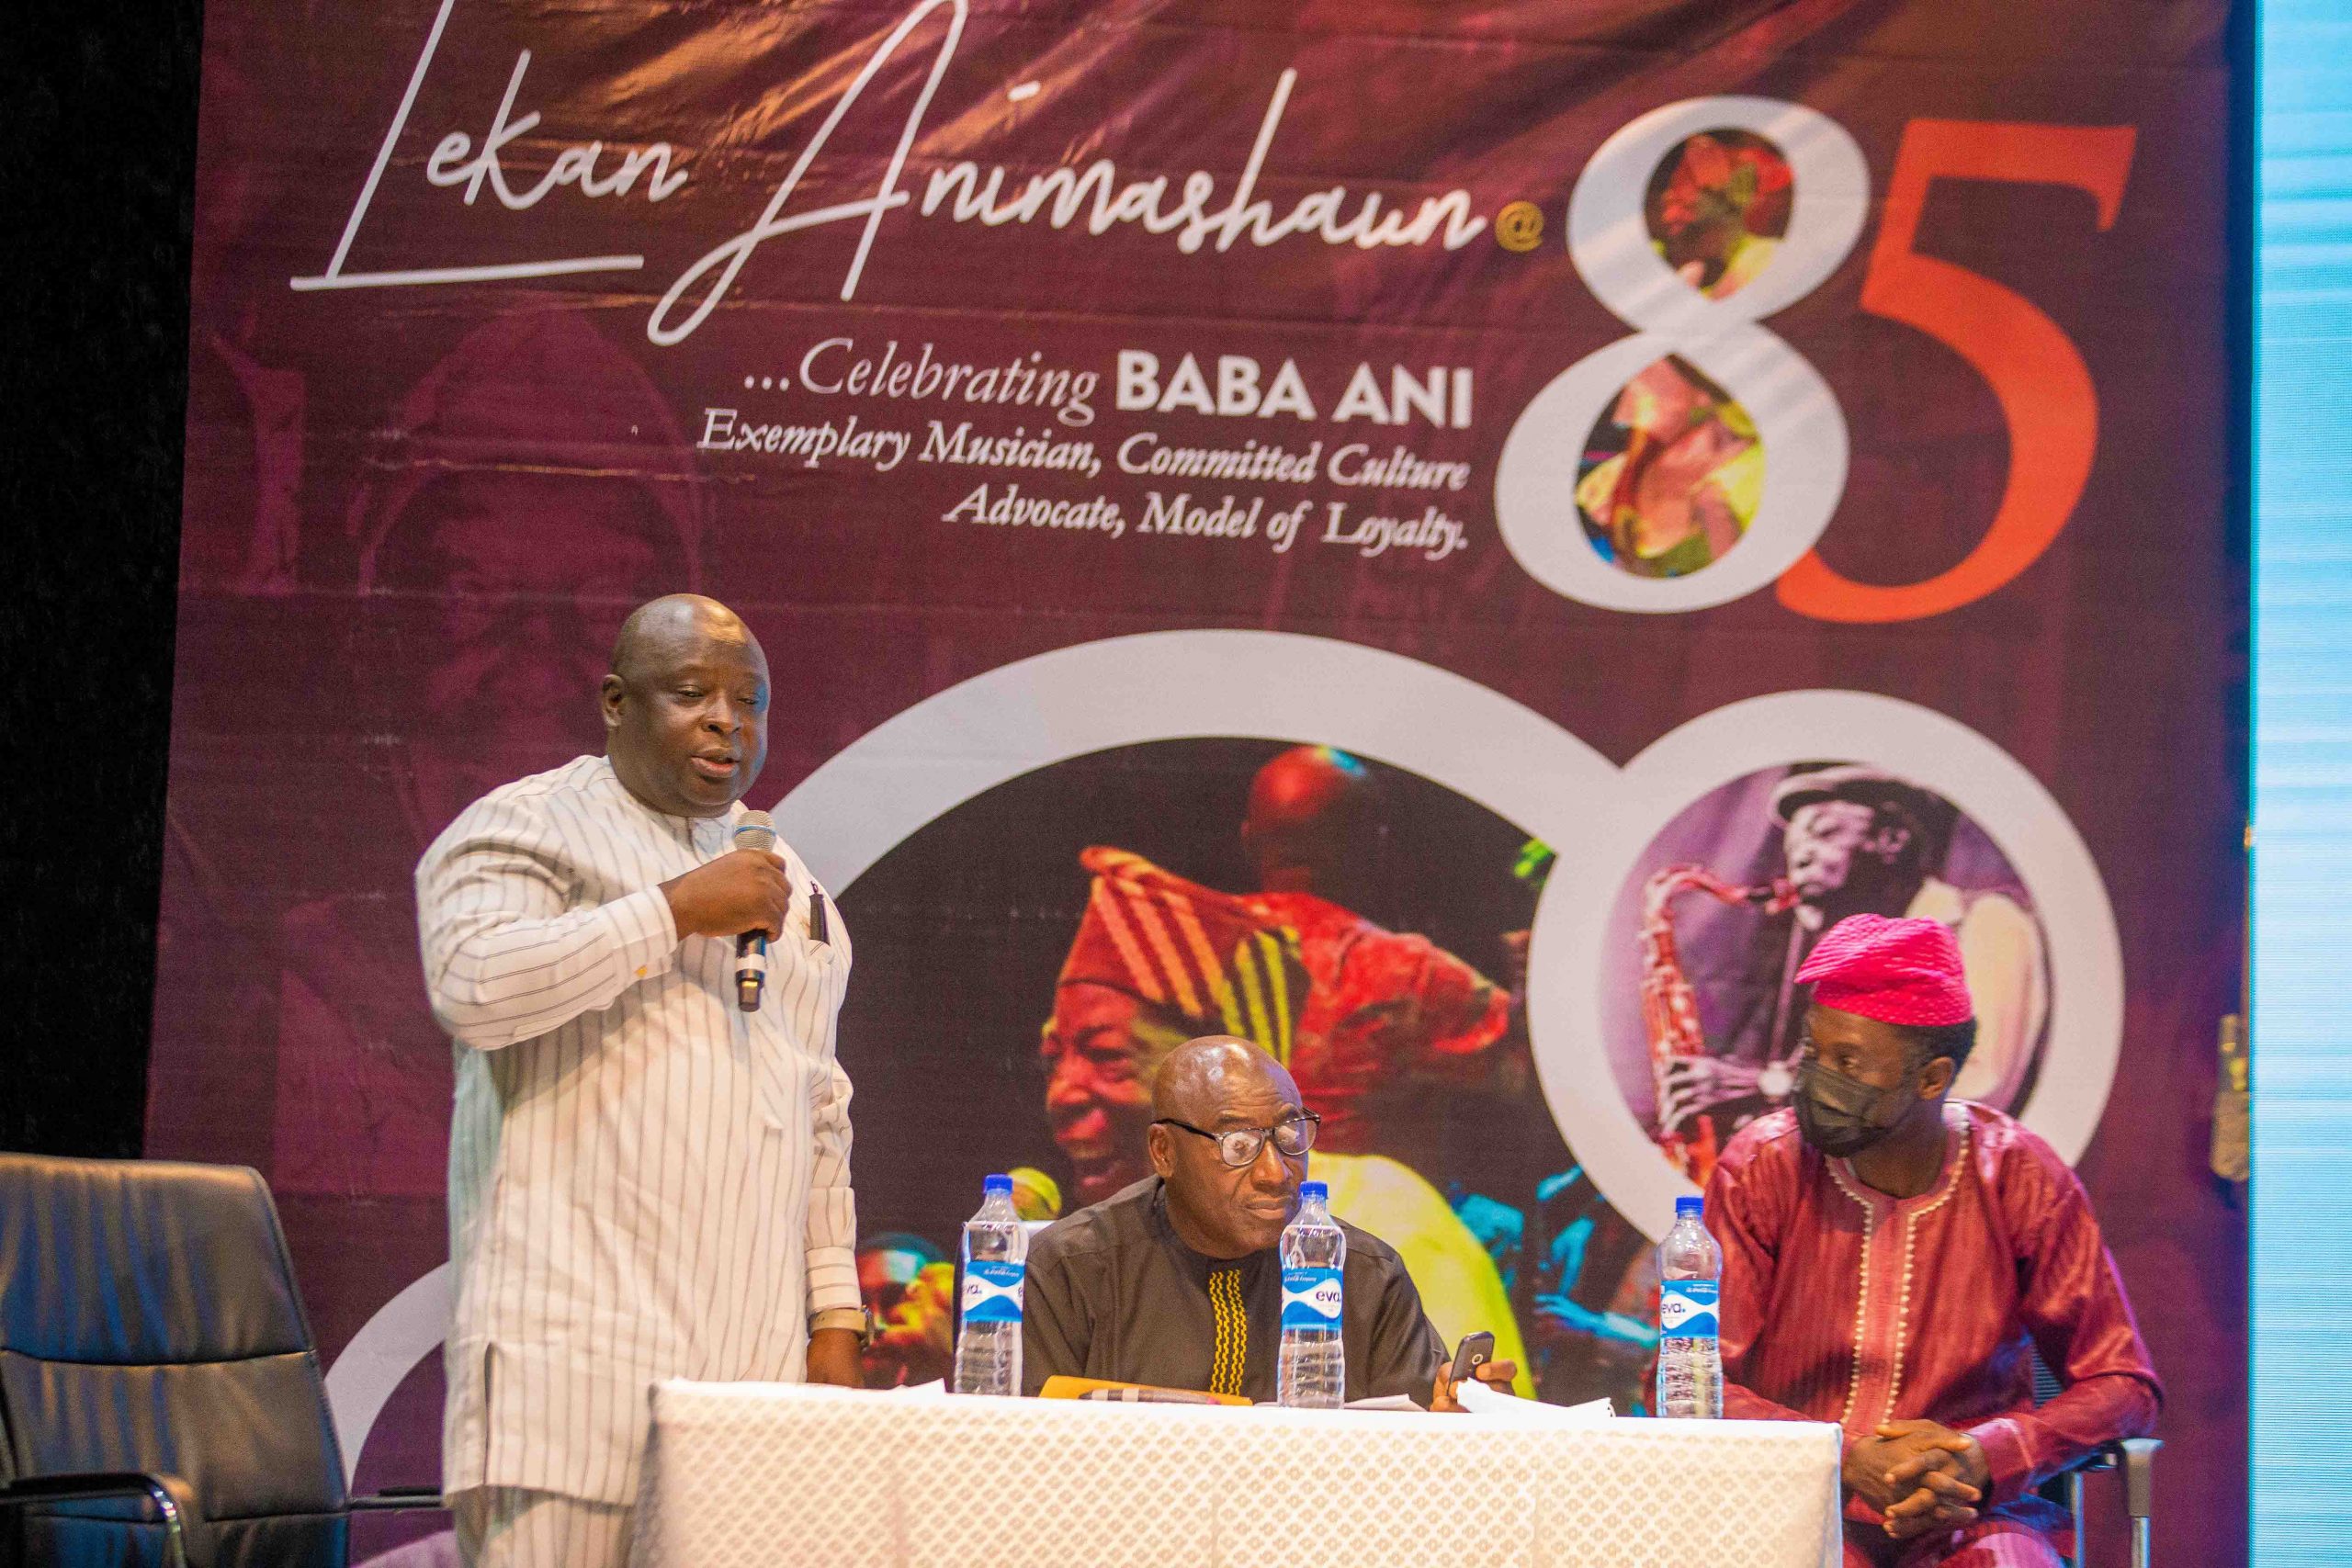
1386	1013
1842	1304
1360	1014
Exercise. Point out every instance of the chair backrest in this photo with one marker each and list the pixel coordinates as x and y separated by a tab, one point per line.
149	1322
2046	1386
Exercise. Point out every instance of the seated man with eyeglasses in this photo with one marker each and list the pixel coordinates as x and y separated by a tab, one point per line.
1176	1281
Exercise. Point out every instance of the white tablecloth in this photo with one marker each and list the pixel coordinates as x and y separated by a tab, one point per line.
770	1476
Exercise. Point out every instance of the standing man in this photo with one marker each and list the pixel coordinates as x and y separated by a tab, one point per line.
1893	1260
644	1180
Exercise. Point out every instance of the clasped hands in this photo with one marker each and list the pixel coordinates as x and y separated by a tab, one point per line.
1920	1476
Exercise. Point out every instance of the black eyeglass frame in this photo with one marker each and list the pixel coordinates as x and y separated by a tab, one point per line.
1309	1120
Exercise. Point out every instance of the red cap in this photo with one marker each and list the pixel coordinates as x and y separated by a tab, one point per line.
1905	971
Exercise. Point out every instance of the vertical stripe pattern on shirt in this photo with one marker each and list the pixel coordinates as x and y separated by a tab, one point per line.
506	1527
1232	1353
644	1181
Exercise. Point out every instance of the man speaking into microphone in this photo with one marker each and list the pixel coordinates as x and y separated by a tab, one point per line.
649	1156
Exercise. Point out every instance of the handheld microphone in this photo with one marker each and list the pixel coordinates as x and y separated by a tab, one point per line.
755	831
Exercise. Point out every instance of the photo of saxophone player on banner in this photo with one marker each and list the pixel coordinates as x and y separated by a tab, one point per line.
1702	1016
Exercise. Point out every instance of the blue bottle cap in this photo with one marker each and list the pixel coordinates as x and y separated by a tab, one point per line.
1318	1190
1690	1208
997	1184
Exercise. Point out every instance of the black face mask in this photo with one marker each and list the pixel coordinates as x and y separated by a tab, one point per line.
1842	1116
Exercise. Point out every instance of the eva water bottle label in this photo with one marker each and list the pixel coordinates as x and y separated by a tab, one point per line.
993	1291
1310	1298
1686	1309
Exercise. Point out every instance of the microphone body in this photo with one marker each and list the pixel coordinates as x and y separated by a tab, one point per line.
755	831
751	970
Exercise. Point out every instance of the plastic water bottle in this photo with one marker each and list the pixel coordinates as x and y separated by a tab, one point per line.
1313	1371
996	1261
1690	1361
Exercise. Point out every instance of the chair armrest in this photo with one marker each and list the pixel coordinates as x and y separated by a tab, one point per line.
2139	1475
2107	1456
399	1499
34	1491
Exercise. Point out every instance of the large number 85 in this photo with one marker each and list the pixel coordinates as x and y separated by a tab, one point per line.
2047	400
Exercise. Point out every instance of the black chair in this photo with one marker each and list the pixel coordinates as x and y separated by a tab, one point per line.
161	1400
2134	1457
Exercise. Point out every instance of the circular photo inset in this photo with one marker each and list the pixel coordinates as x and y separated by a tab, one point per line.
1701	1011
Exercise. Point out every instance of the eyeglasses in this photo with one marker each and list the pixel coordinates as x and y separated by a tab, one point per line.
1238	1146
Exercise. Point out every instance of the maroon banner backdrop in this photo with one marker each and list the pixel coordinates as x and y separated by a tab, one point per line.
1683	474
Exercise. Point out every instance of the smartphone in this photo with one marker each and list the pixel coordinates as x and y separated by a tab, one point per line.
1474	1351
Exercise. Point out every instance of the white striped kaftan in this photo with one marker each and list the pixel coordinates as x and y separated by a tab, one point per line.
644	1181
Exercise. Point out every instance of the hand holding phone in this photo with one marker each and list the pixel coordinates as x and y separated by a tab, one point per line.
1474	1351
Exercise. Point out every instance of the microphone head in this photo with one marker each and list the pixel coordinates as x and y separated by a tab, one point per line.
755	831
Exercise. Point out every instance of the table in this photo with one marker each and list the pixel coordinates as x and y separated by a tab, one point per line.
762	1476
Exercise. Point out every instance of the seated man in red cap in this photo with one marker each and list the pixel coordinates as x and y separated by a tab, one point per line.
1890	1259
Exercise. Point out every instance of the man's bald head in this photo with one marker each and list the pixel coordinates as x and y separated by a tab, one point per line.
1199	1078
658	629
1314	820
686	706
1213	1084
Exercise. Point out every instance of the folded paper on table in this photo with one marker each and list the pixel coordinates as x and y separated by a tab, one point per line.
1480	1399
1063	1387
